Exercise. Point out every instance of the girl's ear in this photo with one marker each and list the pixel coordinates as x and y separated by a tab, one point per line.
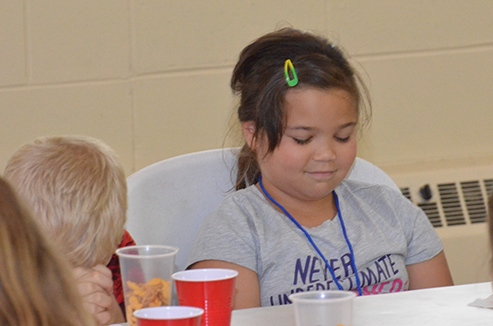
248	129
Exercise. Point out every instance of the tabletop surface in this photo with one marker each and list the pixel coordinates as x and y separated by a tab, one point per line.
438	306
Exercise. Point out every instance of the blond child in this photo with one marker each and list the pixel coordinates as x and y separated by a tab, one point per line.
77	189
36	288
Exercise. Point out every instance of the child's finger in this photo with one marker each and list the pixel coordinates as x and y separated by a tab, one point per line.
91	279
103	270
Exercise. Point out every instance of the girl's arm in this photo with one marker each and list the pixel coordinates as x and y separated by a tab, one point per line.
247	289
430	273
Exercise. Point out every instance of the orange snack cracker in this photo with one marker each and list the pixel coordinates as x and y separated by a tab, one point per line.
154	293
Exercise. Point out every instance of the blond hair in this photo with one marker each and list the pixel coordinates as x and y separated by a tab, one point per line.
36	285
78	192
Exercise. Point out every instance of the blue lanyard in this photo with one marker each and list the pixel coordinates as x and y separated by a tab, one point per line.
353	264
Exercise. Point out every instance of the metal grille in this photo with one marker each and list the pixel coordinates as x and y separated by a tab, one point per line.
488	184
457	203
475	204
407	193
449	197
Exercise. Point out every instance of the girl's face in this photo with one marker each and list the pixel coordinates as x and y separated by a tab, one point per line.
317	149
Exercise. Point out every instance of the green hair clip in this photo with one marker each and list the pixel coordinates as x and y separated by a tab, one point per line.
288	66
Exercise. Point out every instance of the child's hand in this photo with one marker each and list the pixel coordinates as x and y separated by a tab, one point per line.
96	288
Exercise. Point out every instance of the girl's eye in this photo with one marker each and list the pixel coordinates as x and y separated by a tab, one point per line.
302	141
343	140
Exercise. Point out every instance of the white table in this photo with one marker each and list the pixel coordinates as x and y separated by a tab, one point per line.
447	306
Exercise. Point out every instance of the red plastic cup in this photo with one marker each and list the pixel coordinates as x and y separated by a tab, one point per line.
210	289
169	316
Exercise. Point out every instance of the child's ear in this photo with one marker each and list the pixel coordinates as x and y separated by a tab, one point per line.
248	129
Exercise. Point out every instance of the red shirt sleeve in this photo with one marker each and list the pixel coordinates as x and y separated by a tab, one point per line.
114	266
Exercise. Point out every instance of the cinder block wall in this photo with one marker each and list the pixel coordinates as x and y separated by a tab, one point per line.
150	77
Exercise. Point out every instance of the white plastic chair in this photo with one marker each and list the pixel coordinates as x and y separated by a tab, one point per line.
168	200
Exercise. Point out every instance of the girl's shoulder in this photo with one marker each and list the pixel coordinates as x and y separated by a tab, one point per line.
248	194
358	191
365	188
245	200
384	200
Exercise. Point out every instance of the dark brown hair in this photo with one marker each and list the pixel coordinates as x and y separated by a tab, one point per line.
259	80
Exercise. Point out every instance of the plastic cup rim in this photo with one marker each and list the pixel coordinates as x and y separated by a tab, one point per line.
194	312
344	296
231	274
122	252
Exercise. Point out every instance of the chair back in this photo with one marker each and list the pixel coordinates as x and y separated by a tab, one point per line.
168	200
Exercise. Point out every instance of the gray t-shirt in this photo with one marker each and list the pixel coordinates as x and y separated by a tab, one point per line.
387	232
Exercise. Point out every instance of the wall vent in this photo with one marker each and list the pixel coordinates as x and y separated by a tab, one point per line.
452	202
455	201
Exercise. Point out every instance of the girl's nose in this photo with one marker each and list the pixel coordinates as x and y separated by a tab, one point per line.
325	152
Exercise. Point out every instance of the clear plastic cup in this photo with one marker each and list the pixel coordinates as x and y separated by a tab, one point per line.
146	277
323	308
169	316
210	289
